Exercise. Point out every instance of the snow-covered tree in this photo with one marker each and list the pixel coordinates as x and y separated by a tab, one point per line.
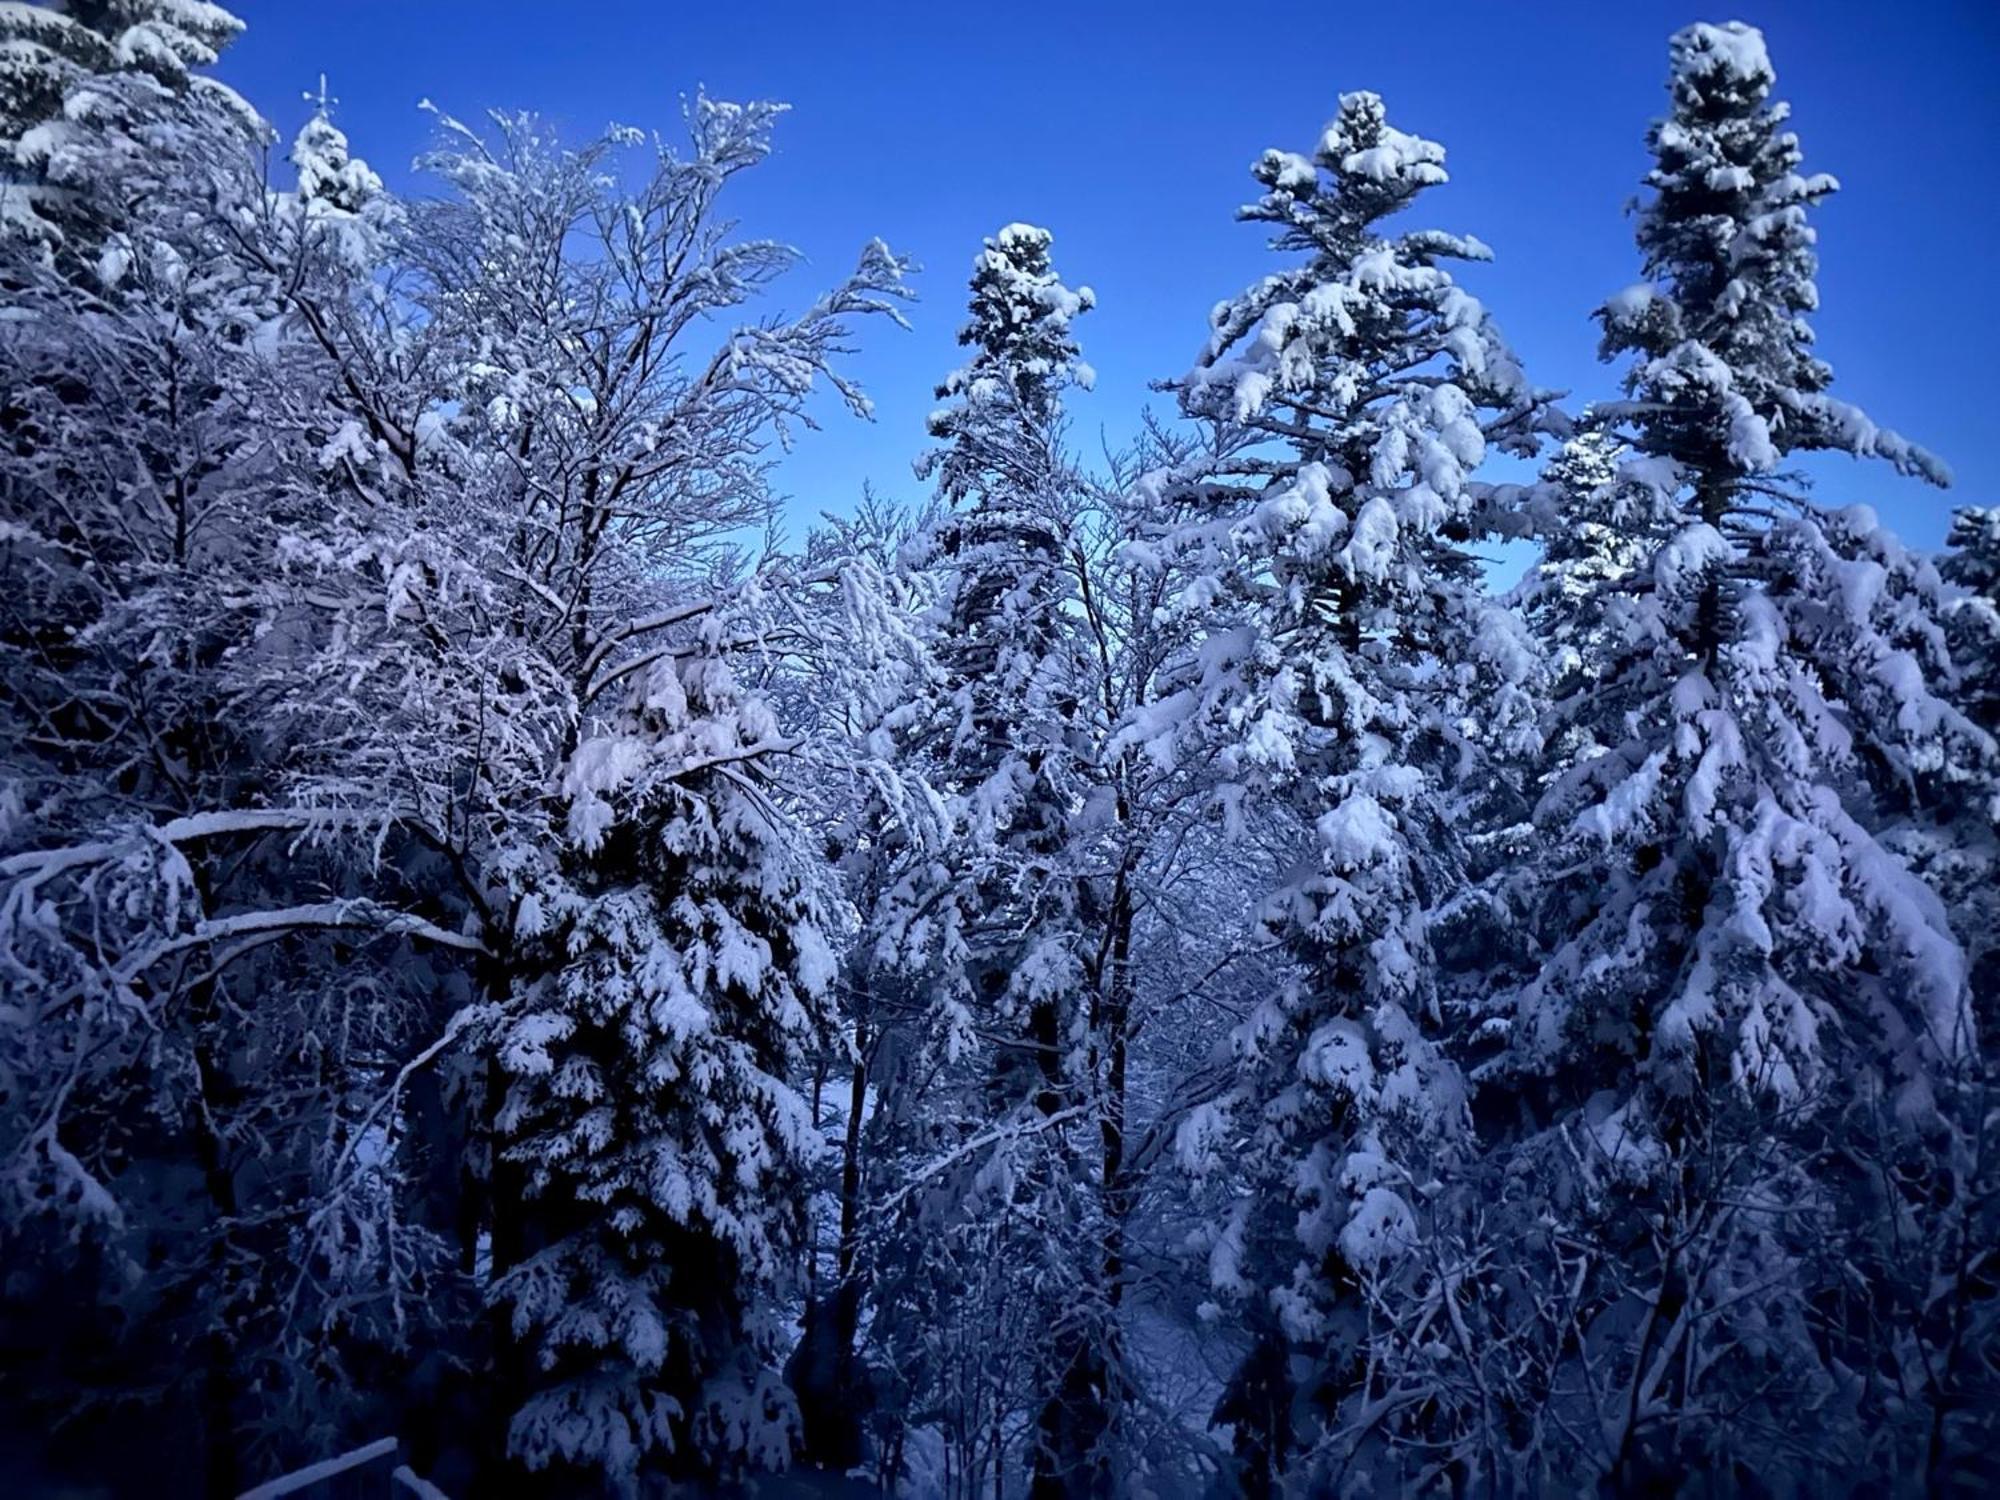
330	177
856	668
364	526
1973	564
196	1052
1021	995
648	1105
990	920
89	94
1969	852
1585	553
1741	987
594	471
1354	392
1003	644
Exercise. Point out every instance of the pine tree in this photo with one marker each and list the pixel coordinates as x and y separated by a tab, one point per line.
649	1103
996	930
329	176
1964	853
660	941
1353	393
363	580
1585	555
85	89
1734	964
1974	565
1009	694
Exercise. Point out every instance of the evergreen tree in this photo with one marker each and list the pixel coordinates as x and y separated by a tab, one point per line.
331	181
1354	393
1974	565
997	927
84	91
664	962
342	580
1585	553
1737	974
1965	854
1002	643
648	1100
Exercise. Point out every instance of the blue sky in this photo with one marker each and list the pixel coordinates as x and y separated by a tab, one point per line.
1128	129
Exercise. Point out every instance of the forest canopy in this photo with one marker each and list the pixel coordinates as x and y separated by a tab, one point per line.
1163	974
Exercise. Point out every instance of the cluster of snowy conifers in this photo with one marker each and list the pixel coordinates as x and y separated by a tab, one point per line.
1152	979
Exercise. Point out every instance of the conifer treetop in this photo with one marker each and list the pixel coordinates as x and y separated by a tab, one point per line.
330	176
1727	382
1025	356
1356	323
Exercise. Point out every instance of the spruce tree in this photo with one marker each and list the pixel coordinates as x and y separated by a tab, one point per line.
1736	973
660	960
648	1105
1352	395
1973	564
89	94
1001	640
1585	552
1004	950
1965	849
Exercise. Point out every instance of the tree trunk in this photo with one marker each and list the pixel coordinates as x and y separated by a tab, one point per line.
824	1372
1073	1429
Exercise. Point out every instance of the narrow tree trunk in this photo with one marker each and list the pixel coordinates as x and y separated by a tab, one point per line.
1073	1430
1117	1026
1713	498
824	1372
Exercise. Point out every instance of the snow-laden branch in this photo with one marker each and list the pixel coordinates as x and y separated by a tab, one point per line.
324	915
41	864
618	635
1013	1130
630	630
385	1106
317	917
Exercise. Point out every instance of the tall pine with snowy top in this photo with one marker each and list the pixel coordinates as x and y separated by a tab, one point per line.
1002	737
1734	966
1352	394
1001	639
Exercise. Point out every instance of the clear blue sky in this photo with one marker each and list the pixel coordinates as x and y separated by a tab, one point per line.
1128	130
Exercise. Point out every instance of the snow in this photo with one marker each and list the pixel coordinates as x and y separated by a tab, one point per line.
1380	1227
1336	1057
1358	831
1632	303
1733	52
319	1473
517	857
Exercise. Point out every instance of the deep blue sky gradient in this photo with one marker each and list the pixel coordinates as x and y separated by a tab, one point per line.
1128	129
